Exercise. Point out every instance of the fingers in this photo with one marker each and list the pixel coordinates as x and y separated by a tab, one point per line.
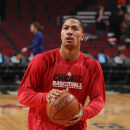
76	117
48	99
64	90
53	94
72	122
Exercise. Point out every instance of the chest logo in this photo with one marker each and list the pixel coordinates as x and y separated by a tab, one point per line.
67	81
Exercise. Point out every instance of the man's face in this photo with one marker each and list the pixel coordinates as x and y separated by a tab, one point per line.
71	33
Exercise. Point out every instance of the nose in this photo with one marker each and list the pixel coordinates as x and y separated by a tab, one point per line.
69	31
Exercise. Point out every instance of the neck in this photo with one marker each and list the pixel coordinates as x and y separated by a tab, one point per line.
35	31
69	55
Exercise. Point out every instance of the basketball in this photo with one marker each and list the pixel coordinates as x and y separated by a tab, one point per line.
62	109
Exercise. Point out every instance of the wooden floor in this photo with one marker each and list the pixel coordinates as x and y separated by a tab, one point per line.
114	116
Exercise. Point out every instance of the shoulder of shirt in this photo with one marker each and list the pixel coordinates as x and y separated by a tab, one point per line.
89	60
47	54
39	33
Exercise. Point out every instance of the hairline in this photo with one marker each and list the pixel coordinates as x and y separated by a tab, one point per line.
81	24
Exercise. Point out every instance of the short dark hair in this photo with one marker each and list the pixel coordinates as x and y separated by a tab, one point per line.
81	23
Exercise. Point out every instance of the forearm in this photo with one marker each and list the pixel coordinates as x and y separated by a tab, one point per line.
31	47
92	109
99	18
31	98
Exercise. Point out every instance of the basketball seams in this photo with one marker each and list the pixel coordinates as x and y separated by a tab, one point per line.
52	106
69	116
63	107
51	114
64	118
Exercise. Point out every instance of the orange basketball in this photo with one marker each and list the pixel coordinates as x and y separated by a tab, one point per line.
62	109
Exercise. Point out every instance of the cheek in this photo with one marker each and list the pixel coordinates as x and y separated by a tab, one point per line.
77	37
62	35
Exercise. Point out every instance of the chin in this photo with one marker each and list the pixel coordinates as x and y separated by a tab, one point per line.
69	44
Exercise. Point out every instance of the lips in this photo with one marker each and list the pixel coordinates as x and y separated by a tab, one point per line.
69	38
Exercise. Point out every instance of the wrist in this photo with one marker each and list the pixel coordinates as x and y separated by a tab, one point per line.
83	117
44	97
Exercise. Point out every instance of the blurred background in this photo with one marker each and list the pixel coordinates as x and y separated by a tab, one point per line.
107	36
107	29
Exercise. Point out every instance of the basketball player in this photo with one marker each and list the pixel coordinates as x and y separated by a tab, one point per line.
64	68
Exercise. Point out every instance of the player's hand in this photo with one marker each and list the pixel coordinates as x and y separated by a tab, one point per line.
23	49
76	117
53	94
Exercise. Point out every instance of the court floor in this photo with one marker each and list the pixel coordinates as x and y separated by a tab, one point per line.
114	116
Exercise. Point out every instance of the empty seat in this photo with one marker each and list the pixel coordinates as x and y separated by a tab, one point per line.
93	7
86	47
75	2
37	12
25	7
11	12
54	7
103	47
40	7
12	2
24	2
103	36
93	52
63	12
50	12
41	18
26	18
126	52
8	52
102	2
69	7
38	2
65	2
12	18
24	12
52	2
99	43
11	7
110	52
56	18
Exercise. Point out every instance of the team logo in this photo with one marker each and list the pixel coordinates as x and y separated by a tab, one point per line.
67	81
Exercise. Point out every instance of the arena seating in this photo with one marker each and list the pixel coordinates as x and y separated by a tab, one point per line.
21	13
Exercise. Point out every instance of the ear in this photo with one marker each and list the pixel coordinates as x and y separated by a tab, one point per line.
83	36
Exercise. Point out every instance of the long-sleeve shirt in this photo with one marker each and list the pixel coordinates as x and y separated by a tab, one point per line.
48	71
37	43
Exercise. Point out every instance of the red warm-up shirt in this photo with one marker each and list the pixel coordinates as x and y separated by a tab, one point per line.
49	70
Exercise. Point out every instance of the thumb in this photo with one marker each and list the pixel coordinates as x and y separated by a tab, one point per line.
80	106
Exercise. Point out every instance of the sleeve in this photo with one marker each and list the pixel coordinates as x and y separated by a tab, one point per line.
97	93
27	94
35	42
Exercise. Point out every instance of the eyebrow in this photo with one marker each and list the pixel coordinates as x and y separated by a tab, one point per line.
73	26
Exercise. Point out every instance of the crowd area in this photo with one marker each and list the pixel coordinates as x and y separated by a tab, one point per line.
119	23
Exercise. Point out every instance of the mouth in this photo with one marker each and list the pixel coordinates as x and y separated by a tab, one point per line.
69	38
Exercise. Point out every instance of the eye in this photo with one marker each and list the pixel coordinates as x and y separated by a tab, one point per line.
75	29
65	28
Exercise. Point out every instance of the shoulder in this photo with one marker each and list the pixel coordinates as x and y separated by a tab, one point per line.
39	34
89	62
48	56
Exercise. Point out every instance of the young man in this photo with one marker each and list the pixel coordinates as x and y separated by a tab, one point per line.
57	70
